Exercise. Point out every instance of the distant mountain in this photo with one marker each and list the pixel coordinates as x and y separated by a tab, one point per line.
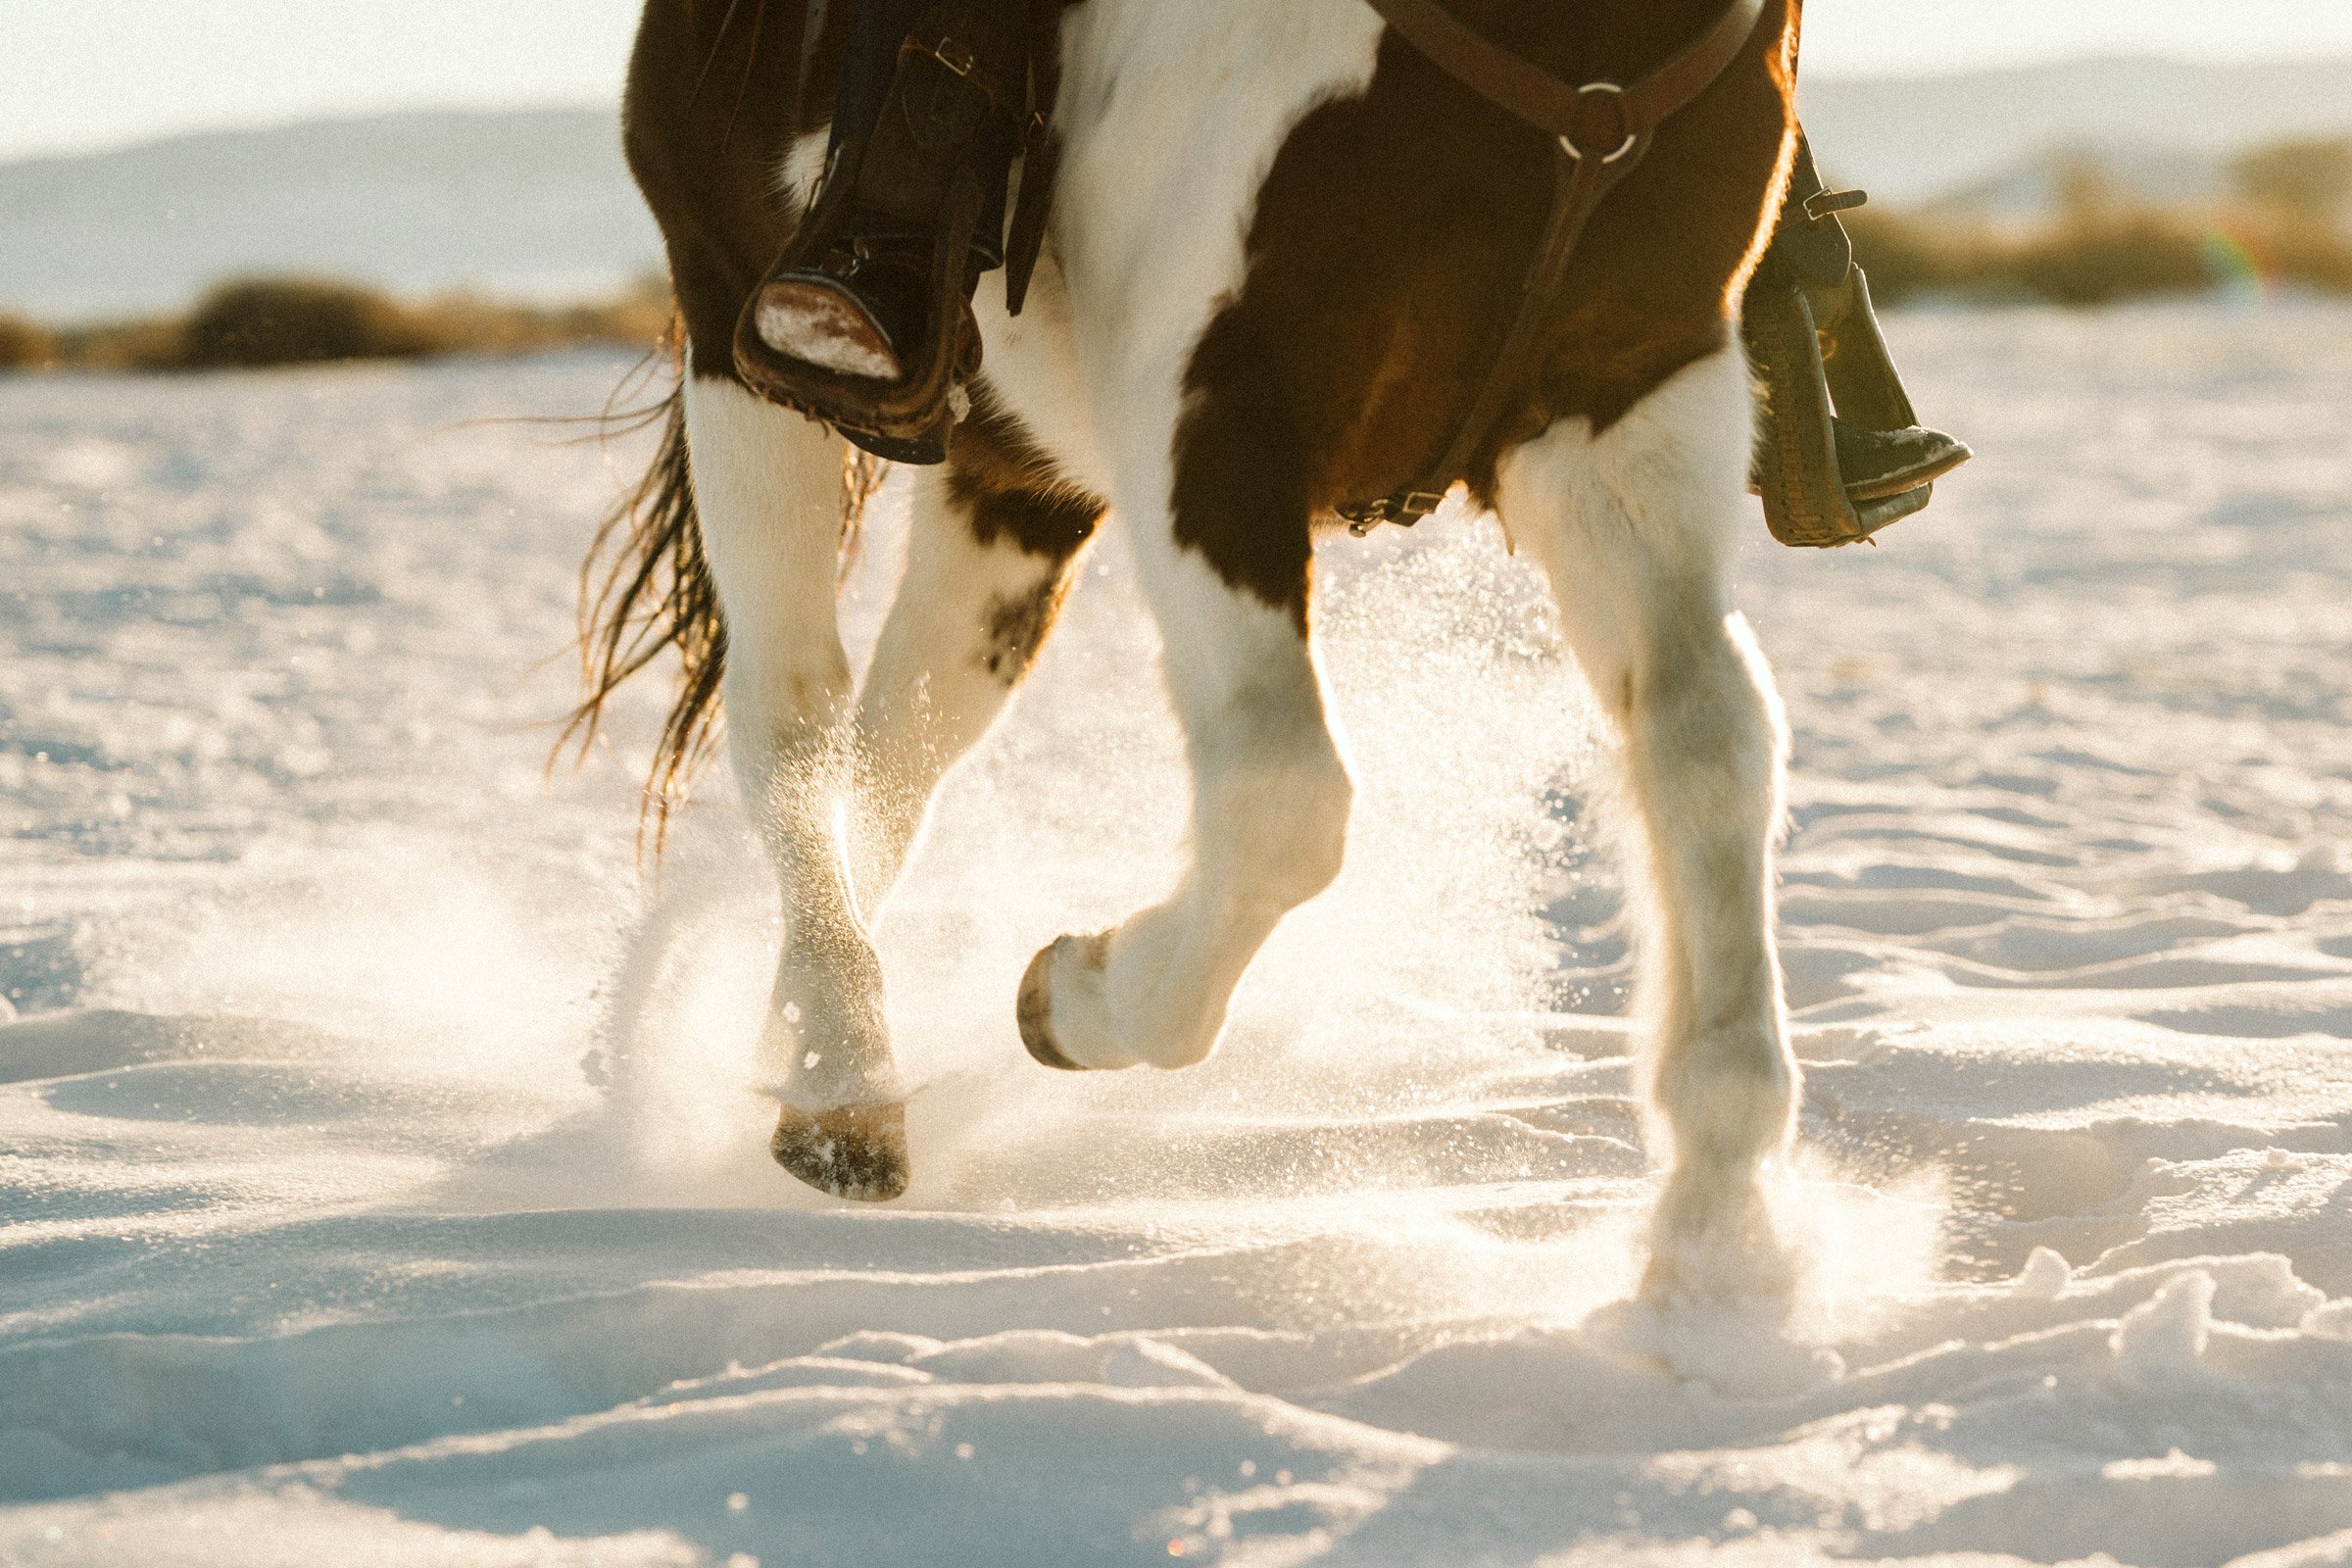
1914	139
2035	186
537	203
525	201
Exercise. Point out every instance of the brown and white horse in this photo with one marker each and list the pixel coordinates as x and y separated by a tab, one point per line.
1283	245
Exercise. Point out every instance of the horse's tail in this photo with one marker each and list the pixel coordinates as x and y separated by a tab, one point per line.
644	590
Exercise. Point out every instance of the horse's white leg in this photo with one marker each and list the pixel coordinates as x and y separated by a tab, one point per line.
1634	527
1270	799
767	487
986	572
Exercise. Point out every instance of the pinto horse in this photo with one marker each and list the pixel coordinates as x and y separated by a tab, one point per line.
1284	245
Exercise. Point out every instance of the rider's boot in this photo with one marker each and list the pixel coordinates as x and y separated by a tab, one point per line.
865	321
1843	453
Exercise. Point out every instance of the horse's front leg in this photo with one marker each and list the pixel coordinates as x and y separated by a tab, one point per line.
989	560
1224	568
1634	527
767	487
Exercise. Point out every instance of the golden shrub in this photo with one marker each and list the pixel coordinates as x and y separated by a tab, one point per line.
24	346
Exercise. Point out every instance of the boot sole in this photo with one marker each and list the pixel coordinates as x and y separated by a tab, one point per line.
807	322
1895	484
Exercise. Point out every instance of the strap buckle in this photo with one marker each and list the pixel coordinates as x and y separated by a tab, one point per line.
1403	509
957	57
1827	203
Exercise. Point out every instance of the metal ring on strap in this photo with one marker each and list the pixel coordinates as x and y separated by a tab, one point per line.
1613	95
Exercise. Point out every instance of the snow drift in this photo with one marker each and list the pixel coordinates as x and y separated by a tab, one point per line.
379	1184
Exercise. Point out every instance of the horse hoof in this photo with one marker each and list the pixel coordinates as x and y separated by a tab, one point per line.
854	1151
1035	1011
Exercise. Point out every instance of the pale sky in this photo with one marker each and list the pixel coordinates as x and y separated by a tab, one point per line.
80	73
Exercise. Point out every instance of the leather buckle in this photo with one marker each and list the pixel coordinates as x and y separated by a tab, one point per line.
1403	509
1827	203
1619	111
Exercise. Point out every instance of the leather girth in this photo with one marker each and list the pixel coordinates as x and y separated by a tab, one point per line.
1603	129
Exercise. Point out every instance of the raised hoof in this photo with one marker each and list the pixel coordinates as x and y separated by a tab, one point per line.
854	1151
1035	1011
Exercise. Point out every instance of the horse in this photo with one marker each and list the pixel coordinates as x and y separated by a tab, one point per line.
1284	242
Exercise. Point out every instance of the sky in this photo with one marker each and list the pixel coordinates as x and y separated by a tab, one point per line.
83	73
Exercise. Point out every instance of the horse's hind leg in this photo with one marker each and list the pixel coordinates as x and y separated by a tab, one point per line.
1634	527
1226	573
989	559
767	485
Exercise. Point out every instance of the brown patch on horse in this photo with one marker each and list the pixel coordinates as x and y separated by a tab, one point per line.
1385	266
714	98
1011	490
1016	626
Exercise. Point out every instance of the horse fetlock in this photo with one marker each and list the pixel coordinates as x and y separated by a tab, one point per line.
1713	1236
1728	1094
1730	1109
826	1042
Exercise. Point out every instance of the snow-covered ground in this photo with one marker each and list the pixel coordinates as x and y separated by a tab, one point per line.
378	1182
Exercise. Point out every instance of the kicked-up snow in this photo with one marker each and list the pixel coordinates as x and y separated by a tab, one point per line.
379	1184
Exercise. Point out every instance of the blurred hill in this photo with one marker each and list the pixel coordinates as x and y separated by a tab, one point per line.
535	204
531	203
2038	184
2168	125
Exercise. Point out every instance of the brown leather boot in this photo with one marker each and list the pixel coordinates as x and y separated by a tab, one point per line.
1842	453
865	321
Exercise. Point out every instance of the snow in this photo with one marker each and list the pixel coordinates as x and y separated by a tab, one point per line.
378	1182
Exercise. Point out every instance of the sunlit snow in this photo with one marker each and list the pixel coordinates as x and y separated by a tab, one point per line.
380	1181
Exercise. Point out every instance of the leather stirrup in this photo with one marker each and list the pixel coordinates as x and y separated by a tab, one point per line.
1805	500
926	193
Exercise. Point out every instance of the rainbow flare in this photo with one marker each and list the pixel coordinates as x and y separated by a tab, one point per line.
2240	270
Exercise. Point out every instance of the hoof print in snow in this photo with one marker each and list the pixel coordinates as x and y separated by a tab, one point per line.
854	1151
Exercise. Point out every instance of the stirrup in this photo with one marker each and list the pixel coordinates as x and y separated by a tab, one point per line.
925	188
1827	477
1798	472
905	420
